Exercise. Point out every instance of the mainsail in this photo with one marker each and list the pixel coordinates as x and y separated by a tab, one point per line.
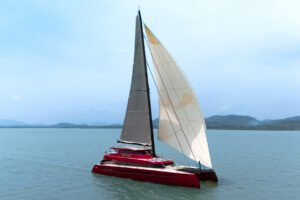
137	128
181	122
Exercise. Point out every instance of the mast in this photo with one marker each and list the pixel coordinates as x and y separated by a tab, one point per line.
148	90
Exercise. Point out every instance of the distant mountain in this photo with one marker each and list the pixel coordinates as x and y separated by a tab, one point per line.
280	125
239	122
227	122
69	125
289	119
64	125
7	123
10	122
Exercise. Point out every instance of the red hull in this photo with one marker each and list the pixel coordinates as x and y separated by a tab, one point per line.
167	177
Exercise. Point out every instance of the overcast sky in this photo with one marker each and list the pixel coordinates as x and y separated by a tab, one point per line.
71	61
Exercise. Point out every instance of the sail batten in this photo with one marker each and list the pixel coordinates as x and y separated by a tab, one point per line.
181	122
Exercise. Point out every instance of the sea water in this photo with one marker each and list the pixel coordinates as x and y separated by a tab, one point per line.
54	164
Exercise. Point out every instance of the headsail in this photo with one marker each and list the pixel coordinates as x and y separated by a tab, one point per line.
137	128
181	122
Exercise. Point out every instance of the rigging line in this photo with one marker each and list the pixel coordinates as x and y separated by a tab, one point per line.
172	104
167	112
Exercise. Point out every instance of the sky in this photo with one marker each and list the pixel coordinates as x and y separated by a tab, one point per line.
71	60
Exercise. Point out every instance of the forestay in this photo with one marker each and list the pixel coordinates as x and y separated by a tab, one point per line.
181	122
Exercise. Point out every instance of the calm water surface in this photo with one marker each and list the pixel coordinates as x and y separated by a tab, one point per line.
56	164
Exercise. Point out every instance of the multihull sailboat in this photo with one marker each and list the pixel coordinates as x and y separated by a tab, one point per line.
181	124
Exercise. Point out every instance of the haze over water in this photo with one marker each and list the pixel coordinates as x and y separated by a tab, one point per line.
57	163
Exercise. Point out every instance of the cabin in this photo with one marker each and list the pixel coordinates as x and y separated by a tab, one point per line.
132	156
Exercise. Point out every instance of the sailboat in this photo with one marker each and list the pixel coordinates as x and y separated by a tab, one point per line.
181	124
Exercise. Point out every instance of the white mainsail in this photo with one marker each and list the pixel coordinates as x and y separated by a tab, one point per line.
181	124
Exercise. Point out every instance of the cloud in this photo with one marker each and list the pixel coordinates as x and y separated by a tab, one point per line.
15	98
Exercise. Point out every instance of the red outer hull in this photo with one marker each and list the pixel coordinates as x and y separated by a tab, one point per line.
167	177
